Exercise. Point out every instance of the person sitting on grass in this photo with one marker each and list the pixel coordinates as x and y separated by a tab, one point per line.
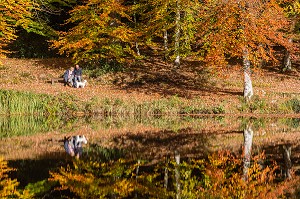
69	77
77	74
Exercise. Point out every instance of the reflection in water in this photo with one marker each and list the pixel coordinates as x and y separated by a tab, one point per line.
287	163
36	170
73	145
248	137
22	125
177	174
218	175
138	160
166	174
12	126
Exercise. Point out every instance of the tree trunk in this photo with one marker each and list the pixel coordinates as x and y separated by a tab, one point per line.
136	43
248	89
177	174
166	176
248	137
166	43
287	152
177	35
287	63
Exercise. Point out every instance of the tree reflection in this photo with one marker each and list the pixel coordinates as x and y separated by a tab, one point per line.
248	137
104	175
177	174
287	163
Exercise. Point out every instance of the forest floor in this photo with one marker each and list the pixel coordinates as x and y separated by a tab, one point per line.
153	79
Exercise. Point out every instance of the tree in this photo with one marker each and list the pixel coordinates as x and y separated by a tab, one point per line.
244	30
175	18
21	17
287	165
13	14
100	31
292	10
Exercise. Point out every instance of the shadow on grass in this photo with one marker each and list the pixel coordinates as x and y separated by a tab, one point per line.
153	76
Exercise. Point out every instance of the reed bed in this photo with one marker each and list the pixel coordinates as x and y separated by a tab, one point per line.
27	103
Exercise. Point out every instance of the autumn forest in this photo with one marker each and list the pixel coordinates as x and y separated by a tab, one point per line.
184	98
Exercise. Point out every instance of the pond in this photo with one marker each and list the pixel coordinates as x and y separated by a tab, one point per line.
151	157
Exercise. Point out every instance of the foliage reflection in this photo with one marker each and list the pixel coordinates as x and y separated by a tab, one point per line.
219	175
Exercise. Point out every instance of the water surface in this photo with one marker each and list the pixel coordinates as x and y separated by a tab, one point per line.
34	145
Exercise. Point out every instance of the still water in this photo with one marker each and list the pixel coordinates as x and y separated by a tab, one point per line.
154	157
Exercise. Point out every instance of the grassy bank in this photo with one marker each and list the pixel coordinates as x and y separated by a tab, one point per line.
28	103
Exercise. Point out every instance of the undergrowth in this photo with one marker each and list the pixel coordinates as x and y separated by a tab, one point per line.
259	105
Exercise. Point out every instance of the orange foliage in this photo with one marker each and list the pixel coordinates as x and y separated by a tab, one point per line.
218	176
7	185
12	14
227	27
99	31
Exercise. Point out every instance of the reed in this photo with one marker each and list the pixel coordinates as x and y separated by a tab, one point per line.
27	103
22	103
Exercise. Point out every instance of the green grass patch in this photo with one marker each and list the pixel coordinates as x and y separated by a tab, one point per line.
27	103
256	105
293	104
166	106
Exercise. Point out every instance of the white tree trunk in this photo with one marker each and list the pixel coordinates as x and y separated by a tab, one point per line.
137	49
177	35
287	63
166	176
248	137
177	175
248	89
